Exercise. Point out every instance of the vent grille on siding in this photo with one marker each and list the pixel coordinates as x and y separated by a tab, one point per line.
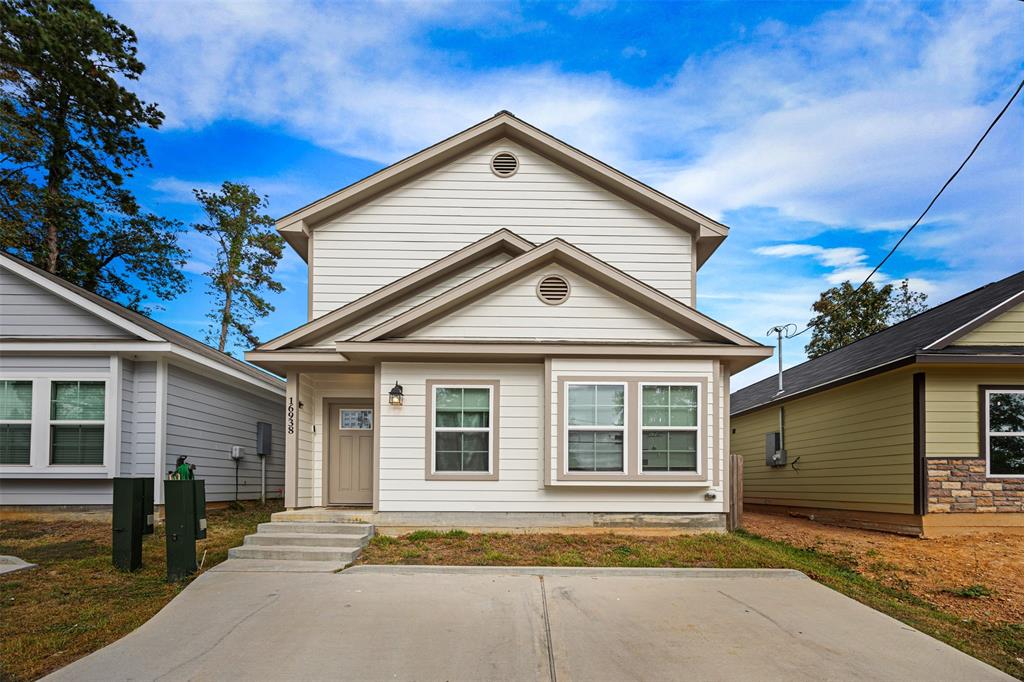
553	289
504	164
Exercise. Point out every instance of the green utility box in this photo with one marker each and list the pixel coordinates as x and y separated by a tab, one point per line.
180	524
200	501
128	523
148	514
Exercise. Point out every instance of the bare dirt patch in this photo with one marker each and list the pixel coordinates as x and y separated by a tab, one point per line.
938	570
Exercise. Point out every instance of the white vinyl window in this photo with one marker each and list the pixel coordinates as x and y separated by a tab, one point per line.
463	439
15	422
669	427
1004	432
596	427
77	413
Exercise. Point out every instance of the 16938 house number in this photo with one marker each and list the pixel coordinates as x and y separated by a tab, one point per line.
291	415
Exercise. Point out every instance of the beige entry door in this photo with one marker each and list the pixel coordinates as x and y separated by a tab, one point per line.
349	476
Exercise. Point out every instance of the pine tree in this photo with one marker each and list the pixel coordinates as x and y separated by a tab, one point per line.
69	138
247	255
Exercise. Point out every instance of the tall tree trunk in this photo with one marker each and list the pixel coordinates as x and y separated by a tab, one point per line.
225	316
56	169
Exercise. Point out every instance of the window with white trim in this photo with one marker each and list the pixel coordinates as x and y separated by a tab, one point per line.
15	422
462	429
669	426
1004	432
596	427
77	422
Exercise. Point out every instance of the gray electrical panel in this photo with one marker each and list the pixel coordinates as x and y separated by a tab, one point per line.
774	455
264	438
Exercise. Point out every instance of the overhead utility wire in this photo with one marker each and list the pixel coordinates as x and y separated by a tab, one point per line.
934	199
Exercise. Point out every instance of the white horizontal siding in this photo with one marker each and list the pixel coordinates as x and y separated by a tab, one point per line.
205	418
590	313
417	299
520	487
144	419
29	311
55	365
55	492
462	202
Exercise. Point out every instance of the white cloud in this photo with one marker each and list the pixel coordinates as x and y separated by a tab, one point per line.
849	122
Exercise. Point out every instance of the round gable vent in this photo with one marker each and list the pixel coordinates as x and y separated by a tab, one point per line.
504	164
553	289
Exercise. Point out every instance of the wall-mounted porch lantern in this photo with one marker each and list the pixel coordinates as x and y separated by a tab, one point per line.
395	397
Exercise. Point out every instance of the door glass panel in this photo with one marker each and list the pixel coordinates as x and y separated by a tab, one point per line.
361	420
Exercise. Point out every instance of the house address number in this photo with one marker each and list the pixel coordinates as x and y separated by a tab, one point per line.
291	415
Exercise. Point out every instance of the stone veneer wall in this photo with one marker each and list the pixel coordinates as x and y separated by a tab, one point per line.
960	485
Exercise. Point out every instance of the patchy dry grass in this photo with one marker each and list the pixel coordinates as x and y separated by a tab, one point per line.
998	643
75	602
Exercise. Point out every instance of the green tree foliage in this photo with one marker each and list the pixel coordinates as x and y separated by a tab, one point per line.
844	315
68	140
247	255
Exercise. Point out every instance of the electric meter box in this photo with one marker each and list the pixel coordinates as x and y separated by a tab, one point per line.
774	455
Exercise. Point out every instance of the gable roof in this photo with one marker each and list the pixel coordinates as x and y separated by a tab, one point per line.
925	335
503	240
709	233
136	323
576	260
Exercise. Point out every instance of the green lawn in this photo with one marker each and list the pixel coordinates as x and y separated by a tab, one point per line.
75	602
999	644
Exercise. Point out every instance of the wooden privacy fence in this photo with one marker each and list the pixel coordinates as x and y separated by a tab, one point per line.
735	491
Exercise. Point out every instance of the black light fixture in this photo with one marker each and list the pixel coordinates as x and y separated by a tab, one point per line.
395	397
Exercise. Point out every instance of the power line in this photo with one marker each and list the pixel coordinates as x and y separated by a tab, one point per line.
935	198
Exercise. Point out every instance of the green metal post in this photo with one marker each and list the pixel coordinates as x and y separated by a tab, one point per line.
148	512
200	498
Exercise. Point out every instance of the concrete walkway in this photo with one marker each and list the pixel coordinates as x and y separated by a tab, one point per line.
435	623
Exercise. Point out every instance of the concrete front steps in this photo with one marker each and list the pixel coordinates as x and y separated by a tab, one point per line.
305	541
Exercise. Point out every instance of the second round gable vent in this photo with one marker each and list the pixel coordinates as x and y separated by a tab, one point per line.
504	164
553	289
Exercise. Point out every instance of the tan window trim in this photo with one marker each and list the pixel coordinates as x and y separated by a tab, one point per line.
633	472
495	417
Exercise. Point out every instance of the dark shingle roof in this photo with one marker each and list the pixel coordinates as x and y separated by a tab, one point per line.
163	331
897	343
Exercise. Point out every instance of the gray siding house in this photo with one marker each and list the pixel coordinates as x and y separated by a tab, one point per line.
90	390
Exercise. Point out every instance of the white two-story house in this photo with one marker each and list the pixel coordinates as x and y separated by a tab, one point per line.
503	333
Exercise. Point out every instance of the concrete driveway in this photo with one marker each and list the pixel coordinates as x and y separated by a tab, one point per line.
427	623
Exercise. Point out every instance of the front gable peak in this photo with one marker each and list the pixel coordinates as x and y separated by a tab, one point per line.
708	233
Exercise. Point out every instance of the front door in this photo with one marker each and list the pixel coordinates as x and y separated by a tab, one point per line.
349	475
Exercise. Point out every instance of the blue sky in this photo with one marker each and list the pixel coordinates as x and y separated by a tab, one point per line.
817	131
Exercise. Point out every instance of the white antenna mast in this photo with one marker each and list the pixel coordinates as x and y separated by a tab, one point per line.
782	331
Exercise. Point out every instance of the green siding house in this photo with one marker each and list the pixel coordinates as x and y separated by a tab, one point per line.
916	429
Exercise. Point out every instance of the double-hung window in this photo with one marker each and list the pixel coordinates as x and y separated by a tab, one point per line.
463	429
669	425
1004	431
15	422
596	427
76	422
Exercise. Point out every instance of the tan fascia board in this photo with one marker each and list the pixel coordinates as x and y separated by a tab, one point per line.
294	226
738	357
967	328
556	250
501	241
